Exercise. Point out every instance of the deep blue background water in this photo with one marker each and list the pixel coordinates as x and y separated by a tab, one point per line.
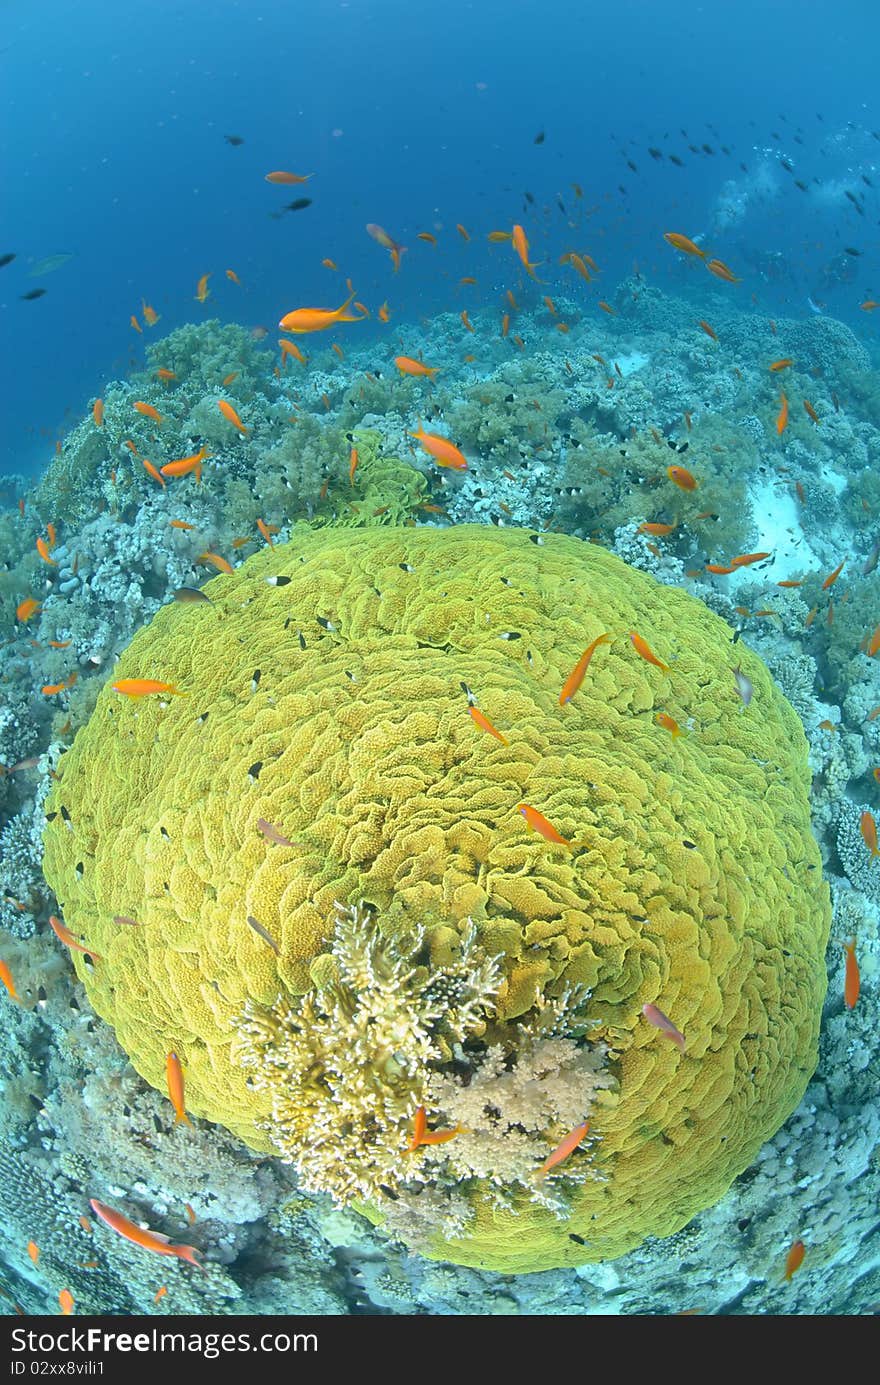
416	116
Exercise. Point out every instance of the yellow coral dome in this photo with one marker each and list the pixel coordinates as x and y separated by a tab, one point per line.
332	708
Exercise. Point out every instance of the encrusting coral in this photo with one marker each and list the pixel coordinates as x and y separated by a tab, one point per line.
327	749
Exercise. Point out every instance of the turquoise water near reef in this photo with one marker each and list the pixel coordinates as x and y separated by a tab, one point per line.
683	402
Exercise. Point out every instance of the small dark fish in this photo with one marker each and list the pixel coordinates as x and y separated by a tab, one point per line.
786	165
694	148
5	260
866	179
539	137
707	149
234	140
799	184
656	153
561	205
31	294
261	931
631	165
744	167
191	595
725	150
298	204
529	198
851	250
674	159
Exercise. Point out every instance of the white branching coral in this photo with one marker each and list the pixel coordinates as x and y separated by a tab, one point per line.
348	1065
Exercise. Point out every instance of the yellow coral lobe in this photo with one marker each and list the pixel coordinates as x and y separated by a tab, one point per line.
696	880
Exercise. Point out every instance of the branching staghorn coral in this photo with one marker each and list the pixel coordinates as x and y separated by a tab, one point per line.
348	1065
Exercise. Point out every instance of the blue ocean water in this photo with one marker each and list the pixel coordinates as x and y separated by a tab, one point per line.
134	150
113	151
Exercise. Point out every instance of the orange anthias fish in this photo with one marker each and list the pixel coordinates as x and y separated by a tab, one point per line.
521	246
66	937
290	348
148	466
427	236
6	978
181	465
144	687
669	724
33	1251
721	271
874	643
229	413
98	412
710	331
423	1136
868	829
681	477
643	648
485	724
174	1078
794	1259
851	983
407	366
151	317
133	322
27	608
783	364
147	410
265	531
680	242
441	449
746	559
165	374
383	313
811	411
353	460
43	550
150	1240
221	564
833	576
782	417
203	293
233	277
563	1150
664	1024
576	677
656	528
228	379
538	823
65	1302
394	249
280	176
302	320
